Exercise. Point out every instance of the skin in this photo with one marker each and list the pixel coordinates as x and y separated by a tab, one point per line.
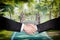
29	28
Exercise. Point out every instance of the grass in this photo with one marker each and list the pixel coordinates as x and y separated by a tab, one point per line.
56	37
5	35
55	34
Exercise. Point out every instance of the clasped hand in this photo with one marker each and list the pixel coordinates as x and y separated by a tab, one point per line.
29	28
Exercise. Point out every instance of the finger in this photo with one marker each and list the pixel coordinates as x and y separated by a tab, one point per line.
33	26
30	31
33	31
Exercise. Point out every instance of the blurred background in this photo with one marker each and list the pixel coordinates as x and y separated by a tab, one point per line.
30	10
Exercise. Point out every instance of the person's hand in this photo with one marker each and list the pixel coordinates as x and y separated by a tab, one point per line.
29	28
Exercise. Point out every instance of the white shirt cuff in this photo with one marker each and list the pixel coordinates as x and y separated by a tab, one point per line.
22	27
36	27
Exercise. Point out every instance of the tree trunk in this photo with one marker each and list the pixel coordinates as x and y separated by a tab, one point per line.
38	18
22	17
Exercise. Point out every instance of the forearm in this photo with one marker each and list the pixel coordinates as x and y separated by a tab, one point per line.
9	24
53	24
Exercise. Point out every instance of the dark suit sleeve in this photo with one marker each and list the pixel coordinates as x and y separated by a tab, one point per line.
8	24
53	24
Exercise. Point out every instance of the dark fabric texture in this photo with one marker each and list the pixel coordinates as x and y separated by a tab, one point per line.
53	24
8	24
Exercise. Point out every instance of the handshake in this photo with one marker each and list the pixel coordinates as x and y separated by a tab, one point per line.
8	24
29	28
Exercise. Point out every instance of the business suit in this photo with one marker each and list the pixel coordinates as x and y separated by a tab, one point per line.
7	24
53	24
11	25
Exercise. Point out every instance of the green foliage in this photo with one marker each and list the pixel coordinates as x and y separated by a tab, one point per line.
42	6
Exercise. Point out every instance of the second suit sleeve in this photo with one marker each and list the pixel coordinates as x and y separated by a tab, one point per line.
53	24
8	24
